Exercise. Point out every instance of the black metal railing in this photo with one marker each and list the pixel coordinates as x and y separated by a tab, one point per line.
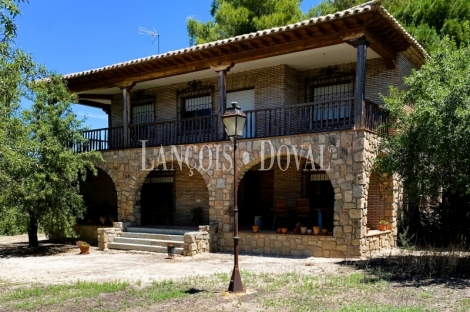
376	117
287	120
300	118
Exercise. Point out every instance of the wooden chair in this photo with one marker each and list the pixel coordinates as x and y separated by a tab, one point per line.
303	208
281	209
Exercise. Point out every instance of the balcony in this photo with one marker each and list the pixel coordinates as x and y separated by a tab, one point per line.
304	118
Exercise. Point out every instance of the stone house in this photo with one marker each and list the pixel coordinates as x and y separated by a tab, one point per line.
312	95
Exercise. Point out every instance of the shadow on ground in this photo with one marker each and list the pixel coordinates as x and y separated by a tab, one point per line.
22	250
451	271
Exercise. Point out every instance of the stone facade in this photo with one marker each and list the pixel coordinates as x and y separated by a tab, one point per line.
107	235
347	156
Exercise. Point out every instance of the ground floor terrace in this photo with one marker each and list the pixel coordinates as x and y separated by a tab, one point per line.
316	180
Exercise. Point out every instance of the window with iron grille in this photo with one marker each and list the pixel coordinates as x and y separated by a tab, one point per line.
329	85
143	108
195	100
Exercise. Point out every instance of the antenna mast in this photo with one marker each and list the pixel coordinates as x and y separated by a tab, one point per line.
153	33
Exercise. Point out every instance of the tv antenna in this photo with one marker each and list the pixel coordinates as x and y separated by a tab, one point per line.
153	33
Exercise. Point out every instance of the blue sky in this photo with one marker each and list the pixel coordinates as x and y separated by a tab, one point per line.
75	35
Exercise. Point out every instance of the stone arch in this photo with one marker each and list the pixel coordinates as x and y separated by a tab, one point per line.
190	191
380	200
100	196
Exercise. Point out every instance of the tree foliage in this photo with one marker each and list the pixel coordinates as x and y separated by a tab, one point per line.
237	17
428	21
432	120
39	172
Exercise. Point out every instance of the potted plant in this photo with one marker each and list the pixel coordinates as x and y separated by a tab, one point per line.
316	230
171	250
255	228
297	228
303	228
103	219
383	225
84	247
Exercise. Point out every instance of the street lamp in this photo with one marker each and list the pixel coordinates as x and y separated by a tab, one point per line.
234	120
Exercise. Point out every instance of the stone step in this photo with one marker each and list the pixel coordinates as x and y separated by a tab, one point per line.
163	237
144	241
159	249
134	229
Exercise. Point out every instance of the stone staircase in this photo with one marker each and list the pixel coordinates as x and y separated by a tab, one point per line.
149	239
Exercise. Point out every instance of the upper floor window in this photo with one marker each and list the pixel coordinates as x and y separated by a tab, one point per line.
329	85
196	100
143	108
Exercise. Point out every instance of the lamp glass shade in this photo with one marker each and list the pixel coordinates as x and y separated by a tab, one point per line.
234	120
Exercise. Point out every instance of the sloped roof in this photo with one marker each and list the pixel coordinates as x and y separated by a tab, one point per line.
416	52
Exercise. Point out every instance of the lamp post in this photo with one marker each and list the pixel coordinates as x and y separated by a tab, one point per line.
234	121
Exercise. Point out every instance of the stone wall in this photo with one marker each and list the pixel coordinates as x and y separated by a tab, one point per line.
197	242
294	245
377	242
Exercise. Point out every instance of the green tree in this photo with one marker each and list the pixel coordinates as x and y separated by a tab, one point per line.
427	20
431	149
39	172
237	17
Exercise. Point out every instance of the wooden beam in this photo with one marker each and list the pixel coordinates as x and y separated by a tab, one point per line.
95	96
382	49
260	53
297	35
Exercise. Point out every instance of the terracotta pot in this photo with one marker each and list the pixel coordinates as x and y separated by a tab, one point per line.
284	230
84	250
382	227
103	219
303	229
255	228
309	232
367	230
89	221
296	230
324	231
279	230
316	230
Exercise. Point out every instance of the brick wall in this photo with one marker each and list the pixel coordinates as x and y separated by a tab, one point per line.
380	198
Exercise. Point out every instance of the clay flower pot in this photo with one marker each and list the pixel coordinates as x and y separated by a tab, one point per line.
296	230
303	229
324	231
84	249
316	230
255	228
279	230
103	219
284	230
367	230
382	227
309	232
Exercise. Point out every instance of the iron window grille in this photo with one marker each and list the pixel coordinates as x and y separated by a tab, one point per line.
143	108
329	85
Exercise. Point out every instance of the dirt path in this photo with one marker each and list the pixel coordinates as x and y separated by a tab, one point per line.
52	264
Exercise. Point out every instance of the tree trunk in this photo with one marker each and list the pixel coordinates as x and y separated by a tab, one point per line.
33	231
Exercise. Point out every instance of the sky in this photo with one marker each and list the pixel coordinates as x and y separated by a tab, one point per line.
75	35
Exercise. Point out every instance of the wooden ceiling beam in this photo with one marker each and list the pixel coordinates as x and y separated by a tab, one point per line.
260	53
381	48
297	35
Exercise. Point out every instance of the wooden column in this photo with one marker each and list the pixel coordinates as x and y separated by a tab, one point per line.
361	44
222	71
126	109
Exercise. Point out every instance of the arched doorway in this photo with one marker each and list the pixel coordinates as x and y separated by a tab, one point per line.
258	190
174	197
100	197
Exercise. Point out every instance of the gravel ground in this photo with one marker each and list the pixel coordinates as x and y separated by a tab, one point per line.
53	264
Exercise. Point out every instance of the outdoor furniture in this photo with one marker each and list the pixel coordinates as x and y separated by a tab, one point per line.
302	208
281	210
